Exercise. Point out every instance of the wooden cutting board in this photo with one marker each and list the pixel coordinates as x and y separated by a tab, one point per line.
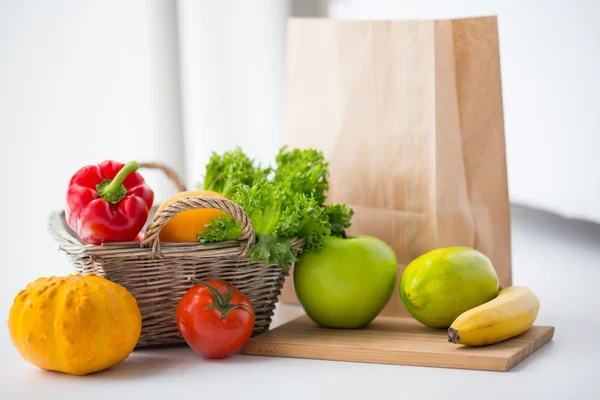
389	340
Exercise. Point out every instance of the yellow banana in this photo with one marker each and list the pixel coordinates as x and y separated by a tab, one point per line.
509	314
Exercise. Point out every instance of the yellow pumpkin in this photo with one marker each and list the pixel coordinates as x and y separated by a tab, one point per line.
76	324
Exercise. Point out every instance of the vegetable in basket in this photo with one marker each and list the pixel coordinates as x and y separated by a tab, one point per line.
281	207
303	171
277	215
108	202
226	172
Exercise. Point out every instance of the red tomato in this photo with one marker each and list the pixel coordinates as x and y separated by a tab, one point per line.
215	318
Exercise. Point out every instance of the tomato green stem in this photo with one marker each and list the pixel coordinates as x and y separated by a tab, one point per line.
113	190
221	302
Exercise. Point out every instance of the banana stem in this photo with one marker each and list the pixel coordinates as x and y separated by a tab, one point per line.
453	336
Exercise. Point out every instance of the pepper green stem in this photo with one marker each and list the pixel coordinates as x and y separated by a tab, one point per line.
113	190
221	302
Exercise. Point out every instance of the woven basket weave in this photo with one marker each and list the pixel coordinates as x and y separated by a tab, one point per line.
157	273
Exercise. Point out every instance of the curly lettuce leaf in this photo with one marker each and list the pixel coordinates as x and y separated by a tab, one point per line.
286	206
277	215
227	172
272	250
303	171
220	229
302	217
339	217
263	203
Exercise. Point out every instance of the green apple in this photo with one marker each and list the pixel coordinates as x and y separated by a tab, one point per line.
348	282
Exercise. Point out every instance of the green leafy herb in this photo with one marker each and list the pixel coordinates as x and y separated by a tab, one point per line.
220	229
304	171
339	217
277	215
288	205
304	218
272	250
226	172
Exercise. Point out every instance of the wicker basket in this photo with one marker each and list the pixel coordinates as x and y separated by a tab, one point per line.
157	273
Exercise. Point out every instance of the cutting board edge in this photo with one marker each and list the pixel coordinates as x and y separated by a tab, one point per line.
536	344
263	345
319	353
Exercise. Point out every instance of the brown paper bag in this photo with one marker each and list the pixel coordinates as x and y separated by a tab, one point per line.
409	114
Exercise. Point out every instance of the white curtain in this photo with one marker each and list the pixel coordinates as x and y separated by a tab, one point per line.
232	55
80	81
85	81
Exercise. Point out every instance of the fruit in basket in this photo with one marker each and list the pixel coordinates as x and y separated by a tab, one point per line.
108	202
348	282
185	226
75	324
442	284
511	313
215	318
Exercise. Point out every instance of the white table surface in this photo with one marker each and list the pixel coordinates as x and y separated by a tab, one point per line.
559	260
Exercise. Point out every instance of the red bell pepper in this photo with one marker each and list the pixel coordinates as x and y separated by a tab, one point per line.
108	202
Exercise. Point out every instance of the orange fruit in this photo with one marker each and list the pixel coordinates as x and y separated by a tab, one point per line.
187	224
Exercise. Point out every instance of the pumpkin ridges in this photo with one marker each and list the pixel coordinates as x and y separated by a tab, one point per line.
61	327
28	311
47	317
110	320
73	312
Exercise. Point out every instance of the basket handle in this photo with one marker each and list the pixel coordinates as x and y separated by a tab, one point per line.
191	203
169	172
